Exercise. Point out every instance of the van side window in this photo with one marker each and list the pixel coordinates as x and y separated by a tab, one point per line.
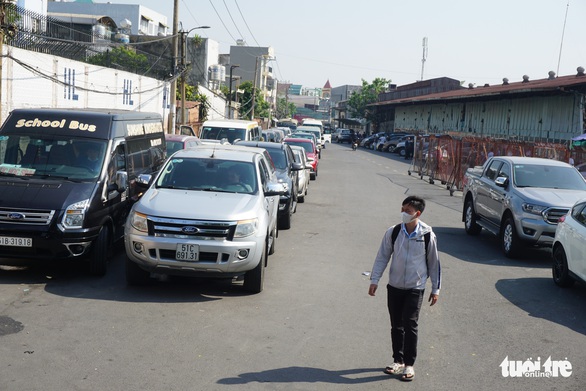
117	163
145	154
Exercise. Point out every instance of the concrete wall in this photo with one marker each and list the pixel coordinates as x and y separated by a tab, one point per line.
31	80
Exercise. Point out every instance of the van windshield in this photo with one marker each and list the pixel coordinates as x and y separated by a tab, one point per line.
49	156
218	133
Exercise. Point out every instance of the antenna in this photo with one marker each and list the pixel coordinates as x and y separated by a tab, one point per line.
562	41
424	56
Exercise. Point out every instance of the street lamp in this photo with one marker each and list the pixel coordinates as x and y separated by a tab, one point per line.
230	92
184	35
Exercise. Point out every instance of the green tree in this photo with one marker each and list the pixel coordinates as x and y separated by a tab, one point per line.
285	109
261	107
121	57
359	100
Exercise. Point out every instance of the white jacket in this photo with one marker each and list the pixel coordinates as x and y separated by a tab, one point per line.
409	269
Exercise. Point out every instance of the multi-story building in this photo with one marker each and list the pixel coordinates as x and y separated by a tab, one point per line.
254	62
135	19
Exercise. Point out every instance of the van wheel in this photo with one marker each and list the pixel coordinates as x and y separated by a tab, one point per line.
99	255
254	279
135	275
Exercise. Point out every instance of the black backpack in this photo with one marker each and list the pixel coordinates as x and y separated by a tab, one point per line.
426	237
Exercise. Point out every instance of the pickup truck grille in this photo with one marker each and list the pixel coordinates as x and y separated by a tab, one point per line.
26	216
201	229
553	215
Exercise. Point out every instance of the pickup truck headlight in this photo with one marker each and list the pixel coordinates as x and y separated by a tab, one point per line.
246	228
74	215
534	209
139	222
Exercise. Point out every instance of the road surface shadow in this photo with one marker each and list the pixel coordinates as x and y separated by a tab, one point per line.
485	249
541	298
308	375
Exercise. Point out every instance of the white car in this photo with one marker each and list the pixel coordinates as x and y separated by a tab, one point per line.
303	176
569	252
211	212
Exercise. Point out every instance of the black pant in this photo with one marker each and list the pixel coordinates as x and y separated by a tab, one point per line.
404	306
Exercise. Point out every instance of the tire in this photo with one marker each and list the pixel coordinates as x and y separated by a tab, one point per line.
285	221
560	270
254	279
274	242
401	152
98	259
470	224
301	199
510	242
135	275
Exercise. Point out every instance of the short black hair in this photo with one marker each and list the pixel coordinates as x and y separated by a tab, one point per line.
416	202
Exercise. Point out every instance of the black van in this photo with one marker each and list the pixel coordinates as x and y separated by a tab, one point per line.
68	179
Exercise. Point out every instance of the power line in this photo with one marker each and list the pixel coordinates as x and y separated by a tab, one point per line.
239	10
237	29
219	17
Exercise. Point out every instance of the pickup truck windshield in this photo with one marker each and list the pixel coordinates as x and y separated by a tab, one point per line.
548	177
51	157
208	175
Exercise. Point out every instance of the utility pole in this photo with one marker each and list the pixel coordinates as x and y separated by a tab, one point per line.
183	70
254	90
184	63
424	56
3	27
230	116
173	88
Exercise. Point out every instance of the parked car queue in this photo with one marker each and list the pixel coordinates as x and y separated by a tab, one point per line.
245	193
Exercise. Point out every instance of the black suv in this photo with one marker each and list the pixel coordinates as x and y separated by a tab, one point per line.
346	136
286	169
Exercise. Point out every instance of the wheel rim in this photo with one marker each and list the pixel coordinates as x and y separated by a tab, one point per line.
508	237
468	216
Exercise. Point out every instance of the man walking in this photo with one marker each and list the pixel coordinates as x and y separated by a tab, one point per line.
413	247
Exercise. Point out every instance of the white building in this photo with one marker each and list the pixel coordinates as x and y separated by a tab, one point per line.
143	20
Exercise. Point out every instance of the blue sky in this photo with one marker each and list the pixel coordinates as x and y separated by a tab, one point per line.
346	41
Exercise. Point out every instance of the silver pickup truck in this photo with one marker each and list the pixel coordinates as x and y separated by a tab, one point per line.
519	199
211	212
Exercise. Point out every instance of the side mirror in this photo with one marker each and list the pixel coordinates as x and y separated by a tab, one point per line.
143	180
296	166
501	181
121	182
275	189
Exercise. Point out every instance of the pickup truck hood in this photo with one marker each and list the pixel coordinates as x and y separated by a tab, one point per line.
551	197
197	204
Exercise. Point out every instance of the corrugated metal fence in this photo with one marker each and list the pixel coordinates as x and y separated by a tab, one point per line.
446	159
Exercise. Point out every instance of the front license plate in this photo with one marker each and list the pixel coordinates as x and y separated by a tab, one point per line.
187	252
15	242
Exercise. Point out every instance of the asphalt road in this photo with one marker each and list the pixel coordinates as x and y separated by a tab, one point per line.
314	327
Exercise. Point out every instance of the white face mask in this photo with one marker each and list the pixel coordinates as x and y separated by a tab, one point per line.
406	217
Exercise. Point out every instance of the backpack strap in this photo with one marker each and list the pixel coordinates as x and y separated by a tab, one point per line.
395	234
